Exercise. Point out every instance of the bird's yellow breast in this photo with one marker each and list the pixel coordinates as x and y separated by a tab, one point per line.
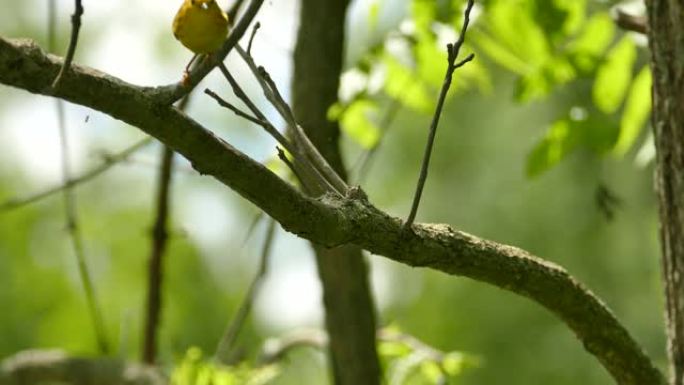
201	26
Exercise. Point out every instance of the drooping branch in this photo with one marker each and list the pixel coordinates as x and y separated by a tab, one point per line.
332	220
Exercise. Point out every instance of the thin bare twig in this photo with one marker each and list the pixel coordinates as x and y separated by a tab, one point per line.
310	150
310	185
110	160
71	50
160	236
364	161
75	235
70	211
252	225
233	10
303	143
453	51
52	25
267	125
226	347
628	22
224	103
240	93
310	174
274	349
251	38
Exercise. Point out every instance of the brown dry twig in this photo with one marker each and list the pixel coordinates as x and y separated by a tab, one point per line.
452	51
630	22
304	147
225	352
73	41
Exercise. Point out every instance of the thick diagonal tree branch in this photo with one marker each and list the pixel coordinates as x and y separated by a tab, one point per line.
333	221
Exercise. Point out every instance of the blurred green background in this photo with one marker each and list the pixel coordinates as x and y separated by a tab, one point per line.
478	183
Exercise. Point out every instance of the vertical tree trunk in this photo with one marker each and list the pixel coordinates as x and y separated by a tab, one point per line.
666	36
350	317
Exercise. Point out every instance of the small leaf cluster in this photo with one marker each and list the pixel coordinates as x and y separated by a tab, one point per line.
194	369
548	45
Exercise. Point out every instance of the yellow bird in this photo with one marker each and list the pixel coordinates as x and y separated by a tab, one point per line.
201	26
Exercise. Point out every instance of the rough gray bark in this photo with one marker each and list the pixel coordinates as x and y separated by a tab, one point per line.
666	37
334	221
51	367
347	298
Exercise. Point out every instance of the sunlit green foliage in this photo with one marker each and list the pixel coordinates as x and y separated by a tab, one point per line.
196	370
613	76
545	44
410	362
637	110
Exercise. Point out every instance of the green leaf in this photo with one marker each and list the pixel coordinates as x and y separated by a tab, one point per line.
614	75
402	84
559	70
393	349
597	33
187	371
431	61
224	377
559	141
575	14
599	133
423	13
511	22
637	109
559	18
453	363
586	50
264	375
432	372
531	86
335	111
357	122
501	54
205	375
